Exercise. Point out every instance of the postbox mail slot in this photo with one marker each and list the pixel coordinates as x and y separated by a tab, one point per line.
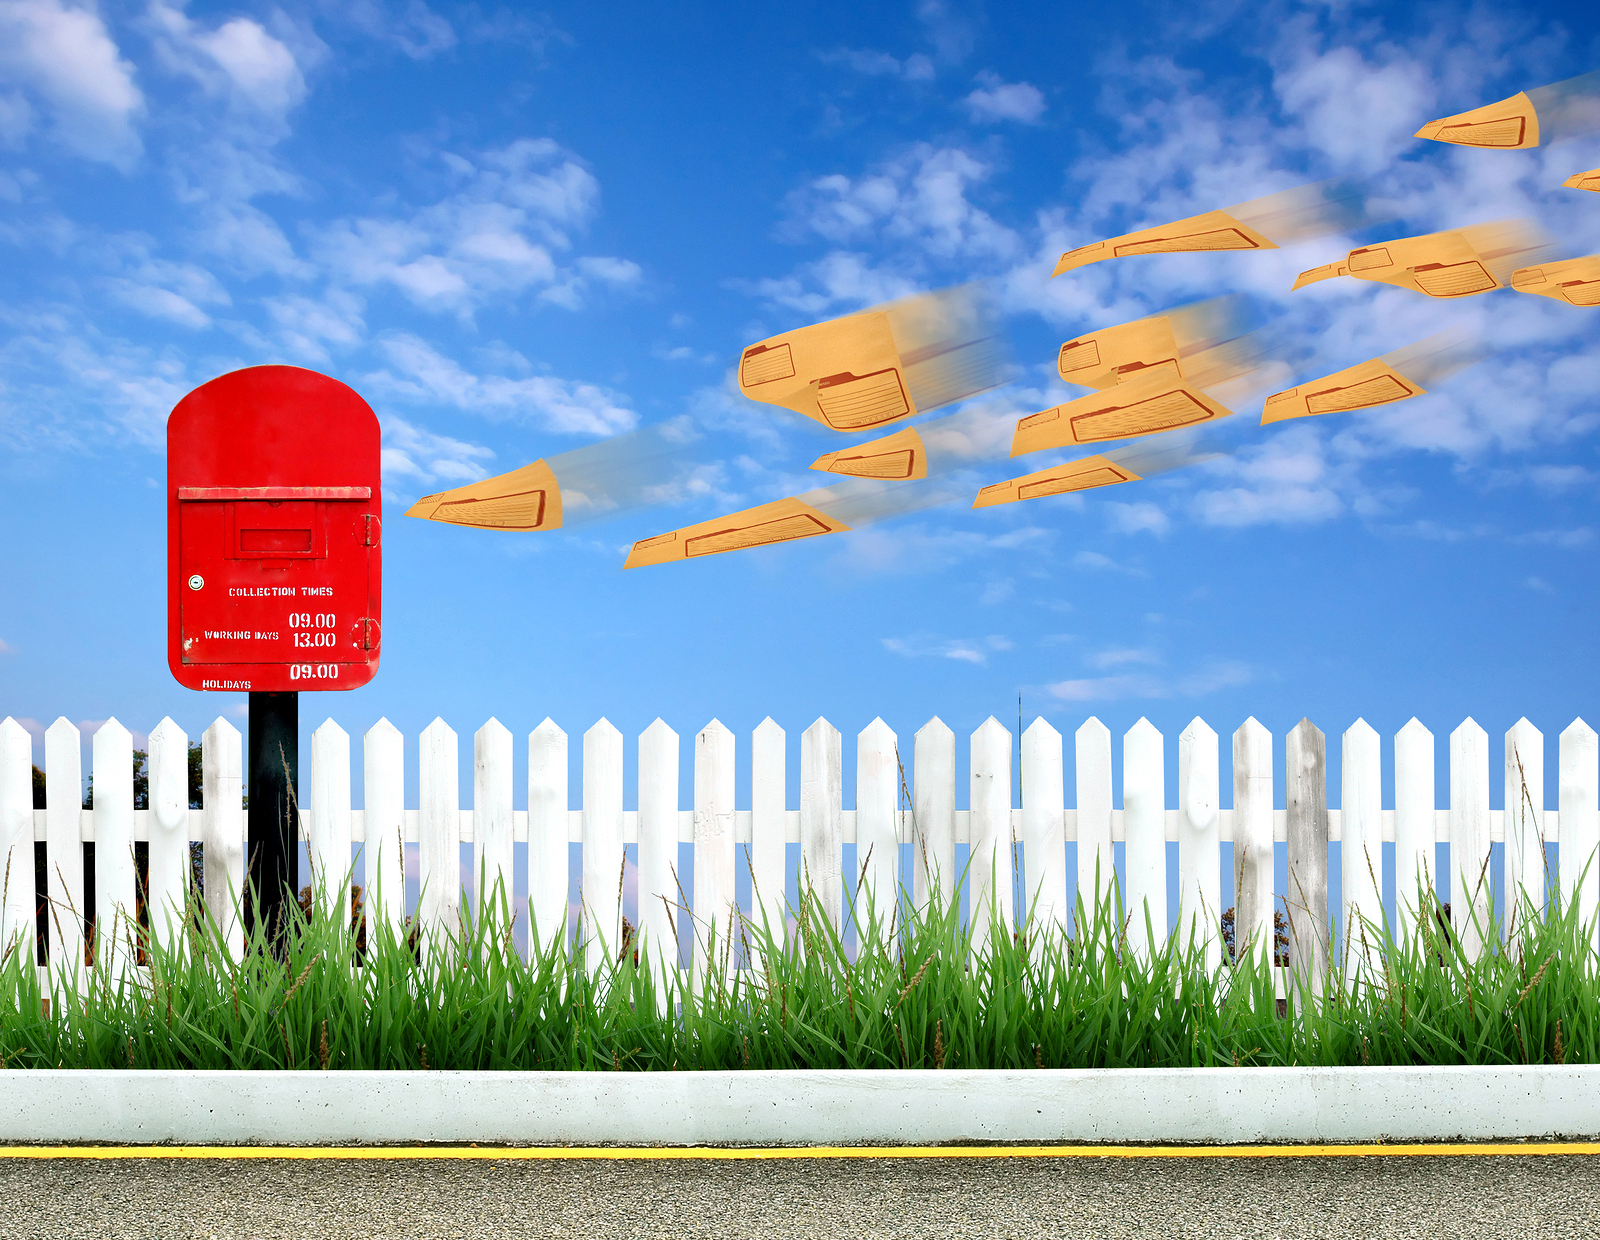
278	493
280	529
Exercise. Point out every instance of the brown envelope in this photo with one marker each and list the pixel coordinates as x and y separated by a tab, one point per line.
1079	475
1142	406
894	457
785	520
1459	263
1215	230
1105	358
524	499
844	373
1575	281
1357	387
1584	180
1510	125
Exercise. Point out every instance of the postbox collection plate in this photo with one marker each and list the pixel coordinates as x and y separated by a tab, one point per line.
274	534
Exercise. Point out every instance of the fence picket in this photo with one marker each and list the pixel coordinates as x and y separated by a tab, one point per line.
1579	806
63	850
1199	841
222	830
715	907
1415	828
492	851
658	897
1253	862
992	867
1361	846
1097	876
877	837
384	846
1044	848
1469	837
328	816
933	843
439	831
167	886
549	872
821	840
16	834
1524	824
769	821
1306	772
115	875
1144	825
600	892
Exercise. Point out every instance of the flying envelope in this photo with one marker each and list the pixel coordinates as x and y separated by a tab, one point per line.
1385	380
1460	263
1584	180
1575	281
1260	224
880	366
1526	119
901	455
524	499
1144	406
1128	464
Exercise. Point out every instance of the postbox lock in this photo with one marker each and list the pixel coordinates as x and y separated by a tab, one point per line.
368	633
196	582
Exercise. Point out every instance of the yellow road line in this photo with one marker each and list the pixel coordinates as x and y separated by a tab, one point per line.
387	1153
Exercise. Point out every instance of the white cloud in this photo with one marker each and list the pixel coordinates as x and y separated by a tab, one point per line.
308	326
1539	585
962	650
411	453
65	57
997	592
998	100
1107	659
1136	518
1210	678
913	68
238	60
5	649
174	292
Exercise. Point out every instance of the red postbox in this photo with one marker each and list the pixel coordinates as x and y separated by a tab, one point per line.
274	534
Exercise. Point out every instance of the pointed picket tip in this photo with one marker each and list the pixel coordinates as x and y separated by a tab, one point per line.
992	728
1361	730
821	728
113	732
1305	728
716	728
1522	730
166	730
330	729
1198	729
880	731
549	729
1578	730
222	729
1469	730
1144	728
658	729
1415	729
438	728
935	727
603	729
493	730
1092	728
1040	727
1252	727
10	729
61	727
767	727
383	728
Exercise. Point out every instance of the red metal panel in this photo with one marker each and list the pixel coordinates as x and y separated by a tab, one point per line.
274	534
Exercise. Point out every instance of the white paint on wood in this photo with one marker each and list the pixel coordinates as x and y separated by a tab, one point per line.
16	835
222	833
1144	823
1469	837
658	893
63	850
1252	822
1199	842
933	833
877	877
1524	825
1306	776
1580	823
1044	850
1415	827
600	895
384	827
1097	878
769	823
328	828
549	832
821	794
439	832
491	824
1361	848
115	875
715	906
992	867
167	891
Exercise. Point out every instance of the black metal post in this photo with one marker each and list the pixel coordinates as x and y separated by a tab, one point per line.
272	829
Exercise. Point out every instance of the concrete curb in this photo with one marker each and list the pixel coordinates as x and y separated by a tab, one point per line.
1181	1105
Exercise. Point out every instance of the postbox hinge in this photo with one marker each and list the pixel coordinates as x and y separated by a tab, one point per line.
372	531
368	633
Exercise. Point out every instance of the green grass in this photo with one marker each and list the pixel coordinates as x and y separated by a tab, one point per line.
1045	1001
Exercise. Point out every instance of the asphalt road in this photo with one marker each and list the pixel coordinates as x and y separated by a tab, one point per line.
1477	1197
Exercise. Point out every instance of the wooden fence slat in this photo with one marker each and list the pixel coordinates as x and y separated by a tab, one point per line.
549	869
600	894
877	877
492	855
1044	847
1199	841
222	830
1253	862
115	875
439	833
383	766
167	889
1523	823
1579	804
1415	826
1469	837
16	834
992	866
1361	847
1144	825
328	822
715	904
769	828
821	795
1097	878
1306	774
659	897
933	844
63	849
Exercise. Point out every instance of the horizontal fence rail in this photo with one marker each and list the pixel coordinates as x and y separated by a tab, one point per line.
904	796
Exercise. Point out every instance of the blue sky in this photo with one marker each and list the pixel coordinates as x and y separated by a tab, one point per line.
517	233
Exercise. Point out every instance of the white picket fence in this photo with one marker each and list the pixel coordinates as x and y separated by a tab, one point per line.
879	824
